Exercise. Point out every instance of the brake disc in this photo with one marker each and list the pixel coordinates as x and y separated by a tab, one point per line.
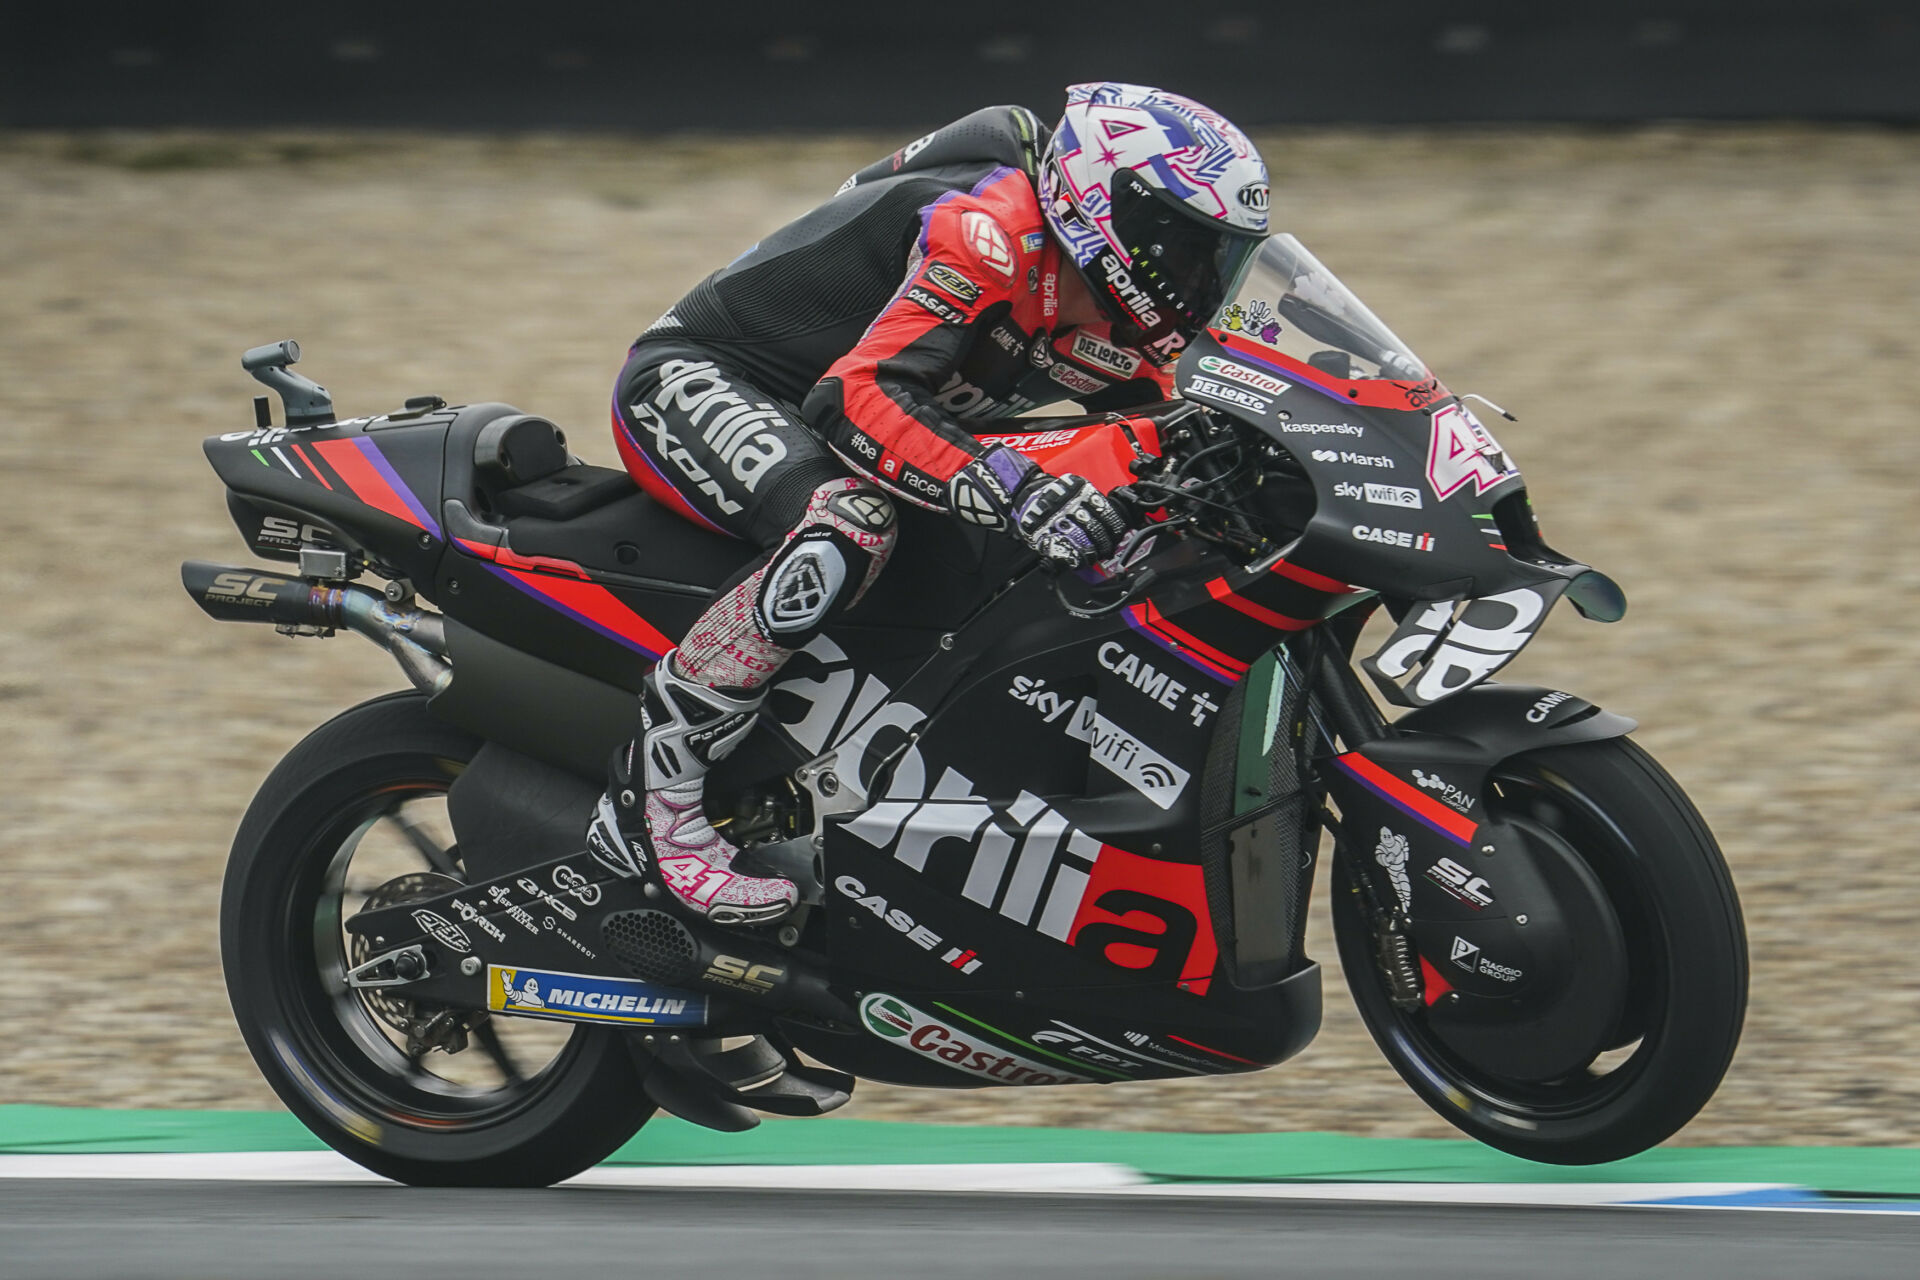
422	1026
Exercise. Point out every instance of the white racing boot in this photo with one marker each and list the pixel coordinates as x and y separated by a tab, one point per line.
652	823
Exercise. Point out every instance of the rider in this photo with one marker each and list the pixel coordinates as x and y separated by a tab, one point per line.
982	270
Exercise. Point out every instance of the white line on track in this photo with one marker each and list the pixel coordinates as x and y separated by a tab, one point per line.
1064	1178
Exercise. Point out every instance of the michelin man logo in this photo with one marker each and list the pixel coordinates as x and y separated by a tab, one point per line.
1391	853
525	996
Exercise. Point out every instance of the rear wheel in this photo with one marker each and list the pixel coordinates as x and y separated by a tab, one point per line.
355	816
1684	988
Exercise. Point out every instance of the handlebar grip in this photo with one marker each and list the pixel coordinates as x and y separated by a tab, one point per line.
275	355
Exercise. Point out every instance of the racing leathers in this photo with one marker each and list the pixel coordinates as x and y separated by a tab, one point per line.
879	334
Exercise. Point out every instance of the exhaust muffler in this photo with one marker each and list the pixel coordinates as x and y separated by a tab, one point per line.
416	638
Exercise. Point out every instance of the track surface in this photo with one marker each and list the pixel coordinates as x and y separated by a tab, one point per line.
100	1230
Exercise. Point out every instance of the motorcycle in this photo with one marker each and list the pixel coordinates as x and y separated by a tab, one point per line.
1048	829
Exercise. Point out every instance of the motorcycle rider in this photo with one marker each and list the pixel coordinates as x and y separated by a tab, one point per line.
982	270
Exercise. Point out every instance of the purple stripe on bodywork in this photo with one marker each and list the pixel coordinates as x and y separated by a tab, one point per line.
379	463
515	580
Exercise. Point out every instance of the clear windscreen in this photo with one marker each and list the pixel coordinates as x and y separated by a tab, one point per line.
1290	302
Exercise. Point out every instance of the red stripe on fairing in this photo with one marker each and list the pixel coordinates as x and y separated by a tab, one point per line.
1436	982
1218	1053
1308	578
1156	621
596	605
1378	393
650	478
1430	811
514	560
1220	591
367	483
310	464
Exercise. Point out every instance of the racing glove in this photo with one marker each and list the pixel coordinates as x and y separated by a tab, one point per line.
1066	520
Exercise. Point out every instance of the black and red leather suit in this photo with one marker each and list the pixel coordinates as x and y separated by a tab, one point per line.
876	334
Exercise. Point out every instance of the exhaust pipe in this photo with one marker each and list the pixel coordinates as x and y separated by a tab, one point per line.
417	638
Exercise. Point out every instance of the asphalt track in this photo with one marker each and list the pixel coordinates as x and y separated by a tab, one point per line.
99	1230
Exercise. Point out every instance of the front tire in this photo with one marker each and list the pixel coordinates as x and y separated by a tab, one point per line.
369	787
1686	980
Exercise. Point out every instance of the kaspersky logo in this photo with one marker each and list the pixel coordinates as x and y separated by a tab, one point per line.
895	1020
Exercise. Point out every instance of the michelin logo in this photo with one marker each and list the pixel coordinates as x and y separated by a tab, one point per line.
578	997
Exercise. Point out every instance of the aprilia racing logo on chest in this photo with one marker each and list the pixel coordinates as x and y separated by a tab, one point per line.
1138	302
741	434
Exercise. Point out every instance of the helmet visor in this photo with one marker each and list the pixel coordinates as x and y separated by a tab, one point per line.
1189	262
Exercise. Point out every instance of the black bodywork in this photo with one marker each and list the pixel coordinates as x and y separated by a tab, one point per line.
1048	846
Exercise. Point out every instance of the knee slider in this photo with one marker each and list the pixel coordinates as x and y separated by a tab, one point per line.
847	534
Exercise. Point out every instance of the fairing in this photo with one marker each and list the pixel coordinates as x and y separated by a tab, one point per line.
1413	497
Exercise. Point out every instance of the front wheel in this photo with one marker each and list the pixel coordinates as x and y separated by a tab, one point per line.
1684	989
355	817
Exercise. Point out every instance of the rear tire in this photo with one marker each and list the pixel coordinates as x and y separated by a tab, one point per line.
1686	987
326	1050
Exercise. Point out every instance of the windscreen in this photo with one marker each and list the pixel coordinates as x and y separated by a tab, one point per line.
1291	303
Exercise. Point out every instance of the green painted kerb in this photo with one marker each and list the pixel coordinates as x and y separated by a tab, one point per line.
1173	1157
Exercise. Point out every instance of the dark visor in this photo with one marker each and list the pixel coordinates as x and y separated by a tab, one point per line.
1191	263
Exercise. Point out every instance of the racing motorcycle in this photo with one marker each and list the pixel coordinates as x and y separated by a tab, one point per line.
1048	830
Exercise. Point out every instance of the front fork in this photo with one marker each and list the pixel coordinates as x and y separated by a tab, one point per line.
1343	712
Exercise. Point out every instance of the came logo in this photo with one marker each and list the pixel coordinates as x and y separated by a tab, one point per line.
894	1019
577	997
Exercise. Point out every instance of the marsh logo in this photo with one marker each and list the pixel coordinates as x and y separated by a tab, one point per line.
579	997
895	1020
1354	459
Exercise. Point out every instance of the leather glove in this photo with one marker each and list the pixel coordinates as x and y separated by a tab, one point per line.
1067	521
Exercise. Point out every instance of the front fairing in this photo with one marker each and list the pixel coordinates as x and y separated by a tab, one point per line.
1413	496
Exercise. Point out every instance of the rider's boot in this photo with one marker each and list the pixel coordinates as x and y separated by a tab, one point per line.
652	822
699	701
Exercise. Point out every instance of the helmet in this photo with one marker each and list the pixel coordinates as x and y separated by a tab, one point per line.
1160	202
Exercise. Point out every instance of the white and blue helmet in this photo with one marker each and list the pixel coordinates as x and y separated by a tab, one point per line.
1160	202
